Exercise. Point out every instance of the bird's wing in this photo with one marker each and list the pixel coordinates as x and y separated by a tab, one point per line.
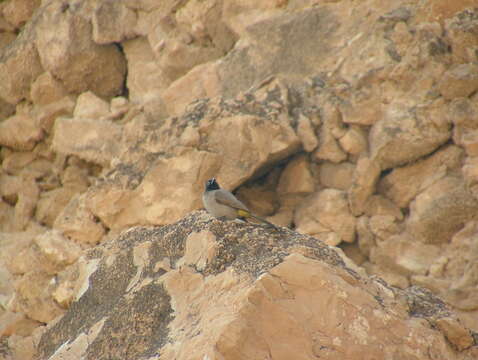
225	197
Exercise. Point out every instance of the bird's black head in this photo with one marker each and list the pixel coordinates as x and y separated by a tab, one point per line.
212	184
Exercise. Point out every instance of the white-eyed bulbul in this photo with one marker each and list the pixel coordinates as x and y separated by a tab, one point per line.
221	203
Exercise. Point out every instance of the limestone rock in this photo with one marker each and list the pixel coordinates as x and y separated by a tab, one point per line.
90	106
258	199
51	203
113	22
460	81
354	141
337	176
20	132
296	177
79	224
455	332
306	133
19	66
404	183
364	179
78	62
441	210
33	297
19	11
404	135
47	114
94	140
404	255
46	89
460	32
237	308
326	211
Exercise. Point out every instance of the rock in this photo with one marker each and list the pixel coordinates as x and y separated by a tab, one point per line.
364	179
200	82
97	141
455	333
261	302
404	183
47	114
379	205
296	177
46	89
441	210
90	106
78	62
326	211
33	297
337	176
113	22
329	148
55	251
19	66
460	81
306	134
405	135
20	132
14	323
17	161
19	11
365	238
51	203
404	255
79	224
460	32
383	226
354	141
463	112
26	203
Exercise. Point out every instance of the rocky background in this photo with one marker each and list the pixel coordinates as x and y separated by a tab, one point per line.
355	122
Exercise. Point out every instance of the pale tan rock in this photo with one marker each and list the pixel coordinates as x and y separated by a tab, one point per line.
6	38
46	89
455	332
146	79
329	148
56	251
256	149
459	31
296	177
441	210
379	205
90	106
78	62
33	297
15	323
14	162
306	133
364	179
337	176
363	109
383	226
404	255
326	211
27	200
460	81
79	224
7	214
391	277
397	139
17	12
97	141
354	141
365	238
16	255
404	183
47	114
113	22
51	204
19	67
470	143
463	112
201	82
20	132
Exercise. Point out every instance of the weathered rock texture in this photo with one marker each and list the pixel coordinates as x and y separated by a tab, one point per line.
205	288
355	122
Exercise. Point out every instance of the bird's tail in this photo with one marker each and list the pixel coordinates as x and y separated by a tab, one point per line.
247	214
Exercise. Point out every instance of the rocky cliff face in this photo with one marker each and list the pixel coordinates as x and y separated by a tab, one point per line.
351	123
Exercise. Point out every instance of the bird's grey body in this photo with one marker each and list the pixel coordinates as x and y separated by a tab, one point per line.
222	203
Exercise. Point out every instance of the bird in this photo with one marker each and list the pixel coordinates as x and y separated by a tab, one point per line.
221	203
